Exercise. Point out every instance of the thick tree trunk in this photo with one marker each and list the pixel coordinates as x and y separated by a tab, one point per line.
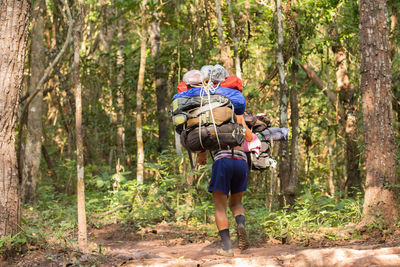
284	168
348	121
82	228
380	203
224	48
139	98
14	22
30	160
161	86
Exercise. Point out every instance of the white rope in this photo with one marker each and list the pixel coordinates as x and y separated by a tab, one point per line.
207	89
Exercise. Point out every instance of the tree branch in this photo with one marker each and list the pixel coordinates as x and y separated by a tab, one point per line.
52	64
322	86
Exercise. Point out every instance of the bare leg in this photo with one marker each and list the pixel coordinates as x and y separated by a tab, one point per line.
235	204
220	203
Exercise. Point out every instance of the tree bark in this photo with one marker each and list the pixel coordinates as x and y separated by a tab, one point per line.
30	161
284	168
235	41
14	23
139	98
224	48
380	204
82	228
294	105
160	82
120	96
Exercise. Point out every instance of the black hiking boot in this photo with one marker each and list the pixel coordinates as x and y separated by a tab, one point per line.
243	242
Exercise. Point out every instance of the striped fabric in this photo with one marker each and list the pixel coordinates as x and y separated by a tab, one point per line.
223	154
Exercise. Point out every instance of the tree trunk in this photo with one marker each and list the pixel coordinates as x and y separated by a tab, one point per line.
107	35
348	121
284	168
14	23
161	87
139	98
30	160
82	230
120	96
332	164
224	48
294	105
380	203
235	41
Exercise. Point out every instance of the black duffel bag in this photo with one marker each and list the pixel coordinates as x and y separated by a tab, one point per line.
229	135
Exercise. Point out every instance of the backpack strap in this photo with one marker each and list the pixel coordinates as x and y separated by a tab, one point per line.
190	159
212	156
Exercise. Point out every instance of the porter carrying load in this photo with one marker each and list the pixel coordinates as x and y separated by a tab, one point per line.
204	114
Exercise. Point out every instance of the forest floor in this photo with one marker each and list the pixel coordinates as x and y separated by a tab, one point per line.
169	245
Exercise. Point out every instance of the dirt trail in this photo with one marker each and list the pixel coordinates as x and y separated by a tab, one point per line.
170	251
167	246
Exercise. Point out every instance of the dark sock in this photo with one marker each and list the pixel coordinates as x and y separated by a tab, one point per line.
240	219
226	239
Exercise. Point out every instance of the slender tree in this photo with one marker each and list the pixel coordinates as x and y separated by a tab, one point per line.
139	97
120	95
82	228
224	48
160	82
30	160
380	204
14	22
294	102
235	40
284	168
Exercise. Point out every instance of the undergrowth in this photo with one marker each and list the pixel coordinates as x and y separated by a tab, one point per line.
176	195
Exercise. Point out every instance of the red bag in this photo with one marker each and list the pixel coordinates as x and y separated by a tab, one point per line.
182	87
233	82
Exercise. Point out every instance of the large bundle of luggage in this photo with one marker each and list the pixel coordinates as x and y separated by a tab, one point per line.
203	113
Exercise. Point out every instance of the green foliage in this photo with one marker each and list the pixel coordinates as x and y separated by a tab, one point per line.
311	212
167	196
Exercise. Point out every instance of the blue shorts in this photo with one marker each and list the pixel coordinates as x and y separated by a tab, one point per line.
229	175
